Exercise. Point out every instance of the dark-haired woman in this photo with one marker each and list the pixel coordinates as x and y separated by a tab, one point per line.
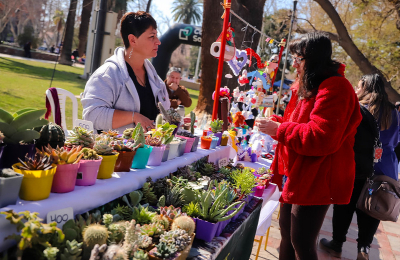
125	90
371	94
315	150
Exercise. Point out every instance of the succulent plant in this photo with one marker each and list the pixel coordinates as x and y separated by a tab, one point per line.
171	212
153	141
216	125
117	231
198	165
107	219
110	133
152	229
17	127
120	145
80	136
159	120
131	237
124	211
208	169
244	181
170	115
184	222
71	230
185	172
217	176
89	154
174	197
92	235
192	209
103	146
178	238
72	251
159	186
148	194
61	155
39	162
138	135
50	253
140	255
164	250
142	215
98	252
127	134
7	173
160	219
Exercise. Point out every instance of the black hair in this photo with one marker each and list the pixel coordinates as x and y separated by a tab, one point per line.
135	23
316	49
373	95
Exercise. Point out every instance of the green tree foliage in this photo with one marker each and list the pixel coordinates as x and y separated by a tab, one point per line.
28	36
187	11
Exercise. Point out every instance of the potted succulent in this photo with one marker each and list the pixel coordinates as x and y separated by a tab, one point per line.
67	167
190	136
10	184
127	151
216	128
18	134
88	167
80	137
205	142
159	139
103	148
224	139
143	151
38	176
51	134
171	116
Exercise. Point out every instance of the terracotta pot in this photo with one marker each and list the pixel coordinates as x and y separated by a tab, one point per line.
124	161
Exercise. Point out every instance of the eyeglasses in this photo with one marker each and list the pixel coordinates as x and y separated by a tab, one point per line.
298	60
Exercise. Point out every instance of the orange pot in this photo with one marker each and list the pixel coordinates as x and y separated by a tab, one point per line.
205	143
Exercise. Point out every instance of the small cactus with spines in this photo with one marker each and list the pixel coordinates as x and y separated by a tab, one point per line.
138	135
103	146
127	134
89	154
80	136
185	223
92	235
192	122
72	251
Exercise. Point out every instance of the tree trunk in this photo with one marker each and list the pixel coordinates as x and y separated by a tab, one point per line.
84	26
351	49
249	10
148	6
69	35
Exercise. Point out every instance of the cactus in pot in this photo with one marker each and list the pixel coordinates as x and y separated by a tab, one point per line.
89	154
51	134
192	122
184	222
92	235
103	145
18	127
170	115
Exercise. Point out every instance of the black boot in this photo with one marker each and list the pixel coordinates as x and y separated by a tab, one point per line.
363	253
333	247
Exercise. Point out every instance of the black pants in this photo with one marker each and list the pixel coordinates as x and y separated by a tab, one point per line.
343	214
300	226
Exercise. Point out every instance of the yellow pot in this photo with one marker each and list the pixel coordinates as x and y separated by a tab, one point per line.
107	166
36	184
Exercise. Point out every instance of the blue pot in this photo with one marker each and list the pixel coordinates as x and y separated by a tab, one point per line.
214	142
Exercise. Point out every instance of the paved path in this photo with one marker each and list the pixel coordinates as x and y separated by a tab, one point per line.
386	244
29	59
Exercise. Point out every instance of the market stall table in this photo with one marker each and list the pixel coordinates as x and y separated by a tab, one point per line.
85	198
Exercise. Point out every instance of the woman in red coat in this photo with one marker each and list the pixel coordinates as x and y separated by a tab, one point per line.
315	150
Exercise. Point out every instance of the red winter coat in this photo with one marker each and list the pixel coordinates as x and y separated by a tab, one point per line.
316	139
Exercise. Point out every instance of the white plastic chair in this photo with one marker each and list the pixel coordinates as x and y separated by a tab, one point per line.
62	97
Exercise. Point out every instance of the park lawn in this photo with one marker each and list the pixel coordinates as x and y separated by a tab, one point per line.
24	83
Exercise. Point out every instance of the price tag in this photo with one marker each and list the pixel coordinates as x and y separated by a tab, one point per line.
60	216
222	162
88	125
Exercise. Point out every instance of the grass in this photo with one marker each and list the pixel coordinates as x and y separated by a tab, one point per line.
24	83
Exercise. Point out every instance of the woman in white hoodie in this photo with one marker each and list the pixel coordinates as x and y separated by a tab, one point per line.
125	90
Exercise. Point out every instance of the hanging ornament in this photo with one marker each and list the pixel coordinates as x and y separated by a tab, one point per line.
252	53
229	46
235	64
271	66
244	78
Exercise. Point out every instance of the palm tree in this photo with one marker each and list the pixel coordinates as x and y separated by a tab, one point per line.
187	11
59	21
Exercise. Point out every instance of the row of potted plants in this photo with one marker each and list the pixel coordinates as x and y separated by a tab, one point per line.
214	137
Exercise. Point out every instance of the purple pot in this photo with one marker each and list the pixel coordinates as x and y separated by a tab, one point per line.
219	135
87	172
65	178
254	157
259	191
156	155
195	143
206	230
11	153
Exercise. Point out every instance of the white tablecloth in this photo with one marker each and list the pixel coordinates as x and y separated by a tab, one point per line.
85	198
270	197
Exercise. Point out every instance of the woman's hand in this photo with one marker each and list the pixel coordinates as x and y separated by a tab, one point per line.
267	126
146	123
